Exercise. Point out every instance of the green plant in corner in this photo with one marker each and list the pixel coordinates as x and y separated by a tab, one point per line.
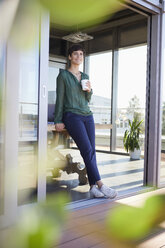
131	137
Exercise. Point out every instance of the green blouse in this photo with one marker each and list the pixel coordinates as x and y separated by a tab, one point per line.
70	97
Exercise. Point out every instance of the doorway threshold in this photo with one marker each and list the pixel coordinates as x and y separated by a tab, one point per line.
89	202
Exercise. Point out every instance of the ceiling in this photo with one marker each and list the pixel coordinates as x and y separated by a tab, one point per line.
121	17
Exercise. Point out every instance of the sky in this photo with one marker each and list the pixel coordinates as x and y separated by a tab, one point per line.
131	74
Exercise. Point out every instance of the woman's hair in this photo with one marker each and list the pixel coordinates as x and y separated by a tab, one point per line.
75	47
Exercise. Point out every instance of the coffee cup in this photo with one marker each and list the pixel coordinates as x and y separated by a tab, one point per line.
84	84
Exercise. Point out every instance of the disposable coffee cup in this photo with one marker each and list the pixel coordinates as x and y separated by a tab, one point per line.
84	84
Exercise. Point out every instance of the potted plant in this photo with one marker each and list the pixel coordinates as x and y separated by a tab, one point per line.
132	140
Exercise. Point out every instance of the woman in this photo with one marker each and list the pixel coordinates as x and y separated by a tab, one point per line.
73	113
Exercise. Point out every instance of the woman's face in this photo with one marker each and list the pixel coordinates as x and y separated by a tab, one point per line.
76	57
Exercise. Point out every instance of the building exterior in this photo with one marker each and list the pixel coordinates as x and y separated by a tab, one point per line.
25	89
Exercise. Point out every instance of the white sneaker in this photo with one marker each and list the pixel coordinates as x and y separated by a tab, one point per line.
108	192
95	192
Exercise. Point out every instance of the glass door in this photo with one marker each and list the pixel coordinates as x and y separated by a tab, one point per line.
28	126
100	74
130	104
32	146
131	93
24	127
54	70
54	140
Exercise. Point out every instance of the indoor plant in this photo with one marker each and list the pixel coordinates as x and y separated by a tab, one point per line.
132	140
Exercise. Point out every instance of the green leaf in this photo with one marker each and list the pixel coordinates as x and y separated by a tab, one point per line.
41	225
130	224
154	208
83	13
127	224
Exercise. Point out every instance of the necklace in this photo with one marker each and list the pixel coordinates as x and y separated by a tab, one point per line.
78	75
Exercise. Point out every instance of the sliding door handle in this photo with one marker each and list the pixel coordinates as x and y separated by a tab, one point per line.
44	90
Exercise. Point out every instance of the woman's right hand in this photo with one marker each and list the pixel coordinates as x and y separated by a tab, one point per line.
59	126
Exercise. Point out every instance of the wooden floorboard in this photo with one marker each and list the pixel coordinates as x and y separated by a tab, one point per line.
155	242
85	227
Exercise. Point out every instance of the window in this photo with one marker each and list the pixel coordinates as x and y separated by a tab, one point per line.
100	69
131	91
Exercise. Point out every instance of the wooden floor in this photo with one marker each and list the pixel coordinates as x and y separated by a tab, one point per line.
85	227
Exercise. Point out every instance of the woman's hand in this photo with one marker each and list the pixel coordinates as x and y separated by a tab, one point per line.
59	126
88	84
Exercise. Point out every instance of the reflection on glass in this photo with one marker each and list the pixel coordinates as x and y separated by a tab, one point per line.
28	126
55	140
2	73
162	169
131	91
54	69
53	73
100	68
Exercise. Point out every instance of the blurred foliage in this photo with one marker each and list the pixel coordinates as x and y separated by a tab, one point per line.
81	13
41	225
8	10
21	16
130	225
25	28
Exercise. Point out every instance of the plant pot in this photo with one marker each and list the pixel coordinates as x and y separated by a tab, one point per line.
135	154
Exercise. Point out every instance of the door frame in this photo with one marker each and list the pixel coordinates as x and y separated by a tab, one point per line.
11	208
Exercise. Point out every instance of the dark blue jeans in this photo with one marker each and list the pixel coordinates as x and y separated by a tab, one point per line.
82	130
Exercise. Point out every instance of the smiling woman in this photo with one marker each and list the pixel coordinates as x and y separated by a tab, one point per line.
73	113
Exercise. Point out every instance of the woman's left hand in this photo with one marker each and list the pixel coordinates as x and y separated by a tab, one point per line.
89	86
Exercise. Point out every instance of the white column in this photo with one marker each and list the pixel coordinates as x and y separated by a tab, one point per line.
43	105
11	135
